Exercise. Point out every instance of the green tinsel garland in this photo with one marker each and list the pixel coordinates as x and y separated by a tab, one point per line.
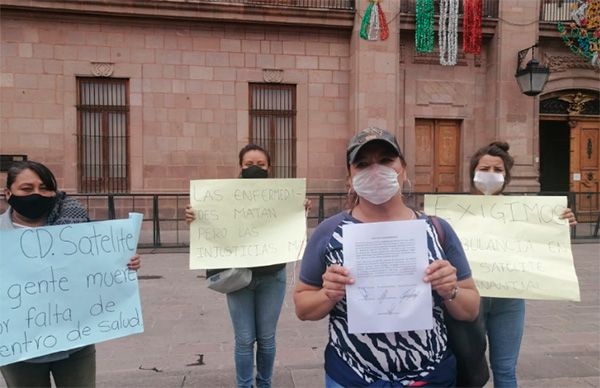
365	22
424	30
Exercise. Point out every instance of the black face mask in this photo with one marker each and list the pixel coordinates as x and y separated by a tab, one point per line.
254	172
32	206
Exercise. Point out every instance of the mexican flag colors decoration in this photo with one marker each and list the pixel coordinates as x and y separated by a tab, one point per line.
373	25
582	35
448	28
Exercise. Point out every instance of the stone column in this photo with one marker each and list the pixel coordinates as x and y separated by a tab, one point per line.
515	115
374	96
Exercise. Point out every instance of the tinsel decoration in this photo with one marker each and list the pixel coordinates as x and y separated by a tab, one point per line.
472	26
448	32
582	35
424	30
374	25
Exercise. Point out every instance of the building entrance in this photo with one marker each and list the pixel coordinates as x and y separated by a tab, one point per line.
437	155
554	155
569	148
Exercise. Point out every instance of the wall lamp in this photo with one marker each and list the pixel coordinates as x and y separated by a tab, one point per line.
534	76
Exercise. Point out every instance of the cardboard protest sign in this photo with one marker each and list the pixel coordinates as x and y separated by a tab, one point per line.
517	246
246	222
66	286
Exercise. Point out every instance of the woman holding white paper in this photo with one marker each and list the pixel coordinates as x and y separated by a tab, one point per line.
376	169
31	191
504	318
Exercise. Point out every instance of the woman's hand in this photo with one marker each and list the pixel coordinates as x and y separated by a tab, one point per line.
335	280
134	263
307	205
442	276
190	215
569	215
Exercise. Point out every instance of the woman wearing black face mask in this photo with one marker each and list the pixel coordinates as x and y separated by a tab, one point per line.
255	309
34	200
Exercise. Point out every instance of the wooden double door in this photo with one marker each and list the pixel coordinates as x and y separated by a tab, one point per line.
437	155
585	167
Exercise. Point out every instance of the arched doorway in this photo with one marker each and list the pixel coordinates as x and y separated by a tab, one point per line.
570	147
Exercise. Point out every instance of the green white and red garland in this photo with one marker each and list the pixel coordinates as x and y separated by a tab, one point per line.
374	25
424	33
582	35
472	20
448	32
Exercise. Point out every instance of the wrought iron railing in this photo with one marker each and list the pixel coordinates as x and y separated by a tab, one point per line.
322	4
557	10
164	224
489	7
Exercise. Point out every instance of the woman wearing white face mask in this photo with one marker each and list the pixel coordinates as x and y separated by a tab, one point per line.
504	317
376	167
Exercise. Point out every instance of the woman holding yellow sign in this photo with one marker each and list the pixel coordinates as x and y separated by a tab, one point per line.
504	318
255	307
31	191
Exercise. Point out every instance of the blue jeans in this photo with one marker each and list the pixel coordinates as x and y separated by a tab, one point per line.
254	312
504	322
331	383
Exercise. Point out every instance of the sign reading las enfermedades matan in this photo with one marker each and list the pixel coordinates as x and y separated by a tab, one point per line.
67	286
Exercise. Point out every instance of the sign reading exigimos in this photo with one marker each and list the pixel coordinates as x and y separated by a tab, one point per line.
517	246
246	222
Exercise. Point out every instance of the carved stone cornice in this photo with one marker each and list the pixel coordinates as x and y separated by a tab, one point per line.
559	63
433	58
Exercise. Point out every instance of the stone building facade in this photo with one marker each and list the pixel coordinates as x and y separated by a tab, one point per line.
142	96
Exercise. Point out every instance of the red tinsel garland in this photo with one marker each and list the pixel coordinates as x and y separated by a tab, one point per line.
385	32
472	26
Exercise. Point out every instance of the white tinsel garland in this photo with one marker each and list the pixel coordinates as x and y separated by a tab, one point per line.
374	26
448	32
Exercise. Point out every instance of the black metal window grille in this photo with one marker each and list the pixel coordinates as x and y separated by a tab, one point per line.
103	135
273	125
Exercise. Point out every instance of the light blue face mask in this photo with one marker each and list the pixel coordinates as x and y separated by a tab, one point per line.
376	183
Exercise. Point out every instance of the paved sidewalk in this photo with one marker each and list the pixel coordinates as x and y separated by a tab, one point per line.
185	321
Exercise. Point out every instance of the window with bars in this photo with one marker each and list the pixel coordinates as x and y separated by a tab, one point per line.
273	125
103	134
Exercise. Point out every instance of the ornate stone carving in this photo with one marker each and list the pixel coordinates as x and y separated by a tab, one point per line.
273	75
441	93
576	102
558	63
103	69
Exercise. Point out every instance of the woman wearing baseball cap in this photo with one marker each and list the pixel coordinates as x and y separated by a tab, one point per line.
376	169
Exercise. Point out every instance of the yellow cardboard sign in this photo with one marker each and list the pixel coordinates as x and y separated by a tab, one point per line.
246	222
517	246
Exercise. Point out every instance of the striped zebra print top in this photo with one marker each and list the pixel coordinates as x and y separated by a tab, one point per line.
400	357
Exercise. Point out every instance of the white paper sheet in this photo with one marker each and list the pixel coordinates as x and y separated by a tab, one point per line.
388	262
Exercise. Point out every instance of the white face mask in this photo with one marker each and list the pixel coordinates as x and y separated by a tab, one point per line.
488	183
376	183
